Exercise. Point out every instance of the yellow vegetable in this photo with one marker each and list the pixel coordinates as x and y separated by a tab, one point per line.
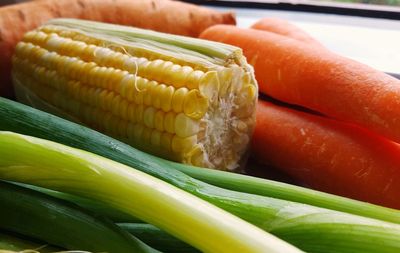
184	99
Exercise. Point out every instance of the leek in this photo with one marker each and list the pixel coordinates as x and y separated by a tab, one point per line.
51	165
274	189
16	243
88	204
27	120
37	215
310	228
157	238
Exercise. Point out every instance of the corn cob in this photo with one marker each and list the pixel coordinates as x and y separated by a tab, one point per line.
183	99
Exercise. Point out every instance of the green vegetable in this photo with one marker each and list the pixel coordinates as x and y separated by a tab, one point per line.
59	223
157	238
10	241
26	120
94	206
310	228
274	189
61	168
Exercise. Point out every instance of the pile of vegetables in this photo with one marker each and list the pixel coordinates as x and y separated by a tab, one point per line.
67	187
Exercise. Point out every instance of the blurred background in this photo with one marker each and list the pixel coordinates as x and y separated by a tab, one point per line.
377	2
380	2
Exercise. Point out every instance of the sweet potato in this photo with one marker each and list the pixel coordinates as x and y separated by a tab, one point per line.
160	15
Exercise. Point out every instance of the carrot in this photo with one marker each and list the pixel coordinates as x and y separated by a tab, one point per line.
161	15
285	28
318	79
328	155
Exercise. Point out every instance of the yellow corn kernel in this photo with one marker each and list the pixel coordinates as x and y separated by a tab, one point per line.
169	122
148	117
129	64
131	112
115	103
195	105
173	73
116	78
166	98
159	120
148	93
123	109
195	156
146	136
85	73
155	139
185	126
162	75
156	95
88	53
139	88
209	86
181	145
166	142
178	99
193	79
137	133
108	100
127	87
139	111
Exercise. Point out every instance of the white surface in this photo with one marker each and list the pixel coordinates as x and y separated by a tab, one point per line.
375	42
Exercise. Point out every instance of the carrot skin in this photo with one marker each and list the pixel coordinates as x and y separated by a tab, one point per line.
285	28
328	155
160	15
318	79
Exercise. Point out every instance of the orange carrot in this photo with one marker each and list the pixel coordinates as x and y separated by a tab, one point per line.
318	79
328	155
161	15
285	28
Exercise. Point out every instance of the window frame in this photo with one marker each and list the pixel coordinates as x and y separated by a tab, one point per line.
348	9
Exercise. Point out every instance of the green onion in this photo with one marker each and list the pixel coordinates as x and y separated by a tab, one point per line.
51	165
18	243
157	238
274	189
311	228
88	204
37	215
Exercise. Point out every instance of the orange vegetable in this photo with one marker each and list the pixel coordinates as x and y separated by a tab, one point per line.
328	155
161	15
285	28
318	79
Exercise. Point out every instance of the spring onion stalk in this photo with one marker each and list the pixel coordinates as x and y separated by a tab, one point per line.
88	204
17	243
311	228
274	189
51	165
37	215
36	251
18	117
157	238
